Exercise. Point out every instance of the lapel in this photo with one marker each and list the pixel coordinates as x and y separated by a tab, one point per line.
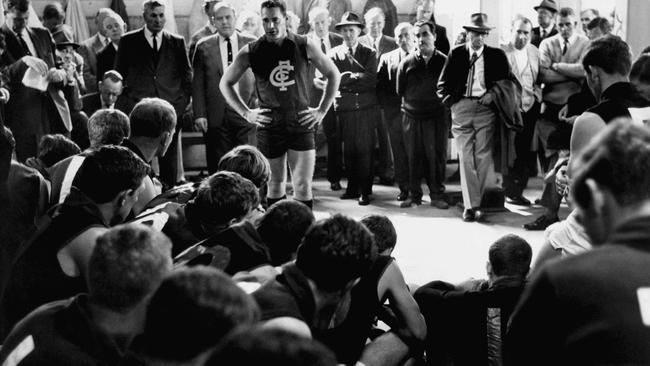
217	53
97	44
13	47
533	59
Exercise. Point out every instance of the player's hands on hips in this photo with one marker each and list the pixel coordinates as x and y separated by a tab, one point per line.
310	117
201	124
257	117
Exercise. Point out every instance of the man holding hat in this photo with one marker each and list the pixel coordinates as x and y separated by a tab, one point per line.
356	106
546	11
72	63
471	70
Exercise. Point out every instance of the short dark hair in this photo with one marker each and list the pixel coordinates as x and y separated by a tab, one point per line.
208	5
383	231
610	53
510	255
128	264
265	346
566	12
222	197
618	159
108	127
53	10
151	117
600	23
270	4
283	227
336	251
18	5
249	162
109	170
432	26
54	148
641	69
192	311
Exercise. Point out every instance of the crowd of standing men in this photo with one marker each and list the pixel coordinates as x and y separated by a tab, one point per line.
386	105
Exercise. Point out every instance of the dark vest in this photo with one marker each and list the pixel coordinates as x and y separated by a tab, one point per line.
281	73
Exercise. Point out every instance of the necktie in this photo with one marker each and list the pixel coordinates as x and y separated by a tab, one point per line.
23	44
155	47
543	33
229	49
351	53
322	46
470	75
566	44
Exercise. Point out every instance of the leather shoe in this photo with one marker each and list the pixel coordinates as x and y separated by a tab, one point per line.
468	215
364	200
410	203
402	196
541	223
518	200
336	186
349	196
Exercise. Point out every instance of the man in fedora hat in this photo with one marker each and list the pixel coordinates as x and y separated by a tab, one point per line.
471	70
546	11
72	63
285	122
356	106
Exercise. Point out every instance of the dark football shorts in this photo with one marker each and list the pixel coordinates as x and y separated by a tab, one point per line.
284	134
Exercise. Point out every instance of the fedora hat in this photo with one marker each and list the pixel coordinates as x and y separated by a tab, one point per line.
547	4
350	18
478	23
63	37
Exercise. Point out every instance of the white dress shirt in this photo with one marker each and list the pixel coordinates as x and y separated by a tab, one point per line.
478	82
223	48
149	37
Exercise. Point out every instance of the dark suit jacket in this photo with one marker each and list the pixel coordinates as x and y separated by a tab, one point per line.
88	50
92	103
453	80
386	44
170	79
29	111
356	93
196	37
317	94
442	42
536	35
207	100
387	79
105	61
